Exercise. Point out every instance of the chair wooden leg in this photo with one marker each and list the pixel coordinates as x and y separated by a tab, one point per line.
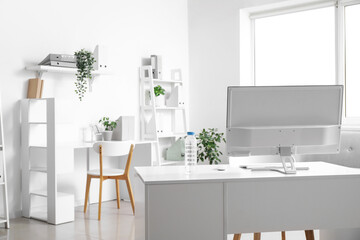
237	236
283	236
100	193
257	236
128	184
117	193
309	234
88	180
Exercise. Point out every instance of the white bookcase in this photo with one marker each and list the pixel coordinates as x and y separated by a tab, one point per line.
44	157
164	124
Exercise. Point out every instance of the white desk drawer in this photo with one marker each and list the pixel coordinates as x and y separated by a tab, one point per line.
185	211
292	204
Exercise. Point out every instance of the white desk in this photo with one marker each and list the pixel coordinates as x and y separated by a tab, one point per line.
210	204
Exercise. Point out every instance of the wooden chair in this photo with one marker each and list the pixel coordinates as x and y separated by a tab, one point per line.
111	148
309	234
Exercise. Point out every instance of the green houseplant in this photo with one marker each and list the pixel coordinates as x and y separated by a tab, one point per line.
84	63
159	96
208	145
109	126
158	90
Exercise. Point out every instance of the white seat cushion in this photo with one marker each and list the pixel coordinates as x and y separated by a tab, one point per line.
107	172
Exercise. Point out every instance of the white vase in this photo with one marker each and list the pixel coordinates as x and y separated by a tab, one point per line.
160	101
107	135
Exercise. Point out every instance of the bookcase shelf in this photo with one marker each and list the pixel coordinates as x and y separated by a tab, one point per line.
162	124
42	152
156	81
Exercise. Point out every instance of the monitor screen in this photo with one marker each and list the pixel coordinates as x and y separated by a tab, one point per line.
306	119
284	106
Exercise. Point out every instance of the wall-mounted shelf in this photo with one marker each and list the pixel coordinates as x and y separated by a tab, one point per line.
40	69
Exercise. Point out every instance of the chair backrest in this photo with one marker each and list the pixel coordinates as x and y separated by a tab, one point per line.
113	148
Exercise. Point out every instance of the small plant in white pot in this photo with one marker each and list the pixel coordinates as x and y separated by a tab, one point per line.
159	96
109	127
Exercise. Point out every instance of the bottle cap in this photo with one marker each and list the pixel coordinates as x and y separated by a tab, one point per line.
190	133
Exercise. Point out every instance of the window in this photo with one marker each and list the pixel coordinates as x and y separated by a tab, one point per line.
296	48
308	43
352	61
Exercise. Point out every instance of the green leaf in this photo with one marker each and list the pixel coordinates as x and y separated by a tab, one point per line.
208	148
84	63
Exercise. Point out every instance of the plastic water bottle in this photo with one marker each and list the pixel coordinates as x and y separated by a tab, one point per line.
190	152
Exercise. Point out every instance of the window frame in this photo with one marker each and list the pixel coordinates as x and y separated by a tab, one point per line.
349	123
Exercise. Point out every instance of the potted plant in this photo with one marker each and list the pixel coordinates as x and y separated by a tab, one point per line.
159	96
208	145
109	126
84	63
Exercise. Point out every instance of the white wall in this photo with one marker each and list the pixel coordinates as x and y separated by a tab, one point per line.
214	58
131	30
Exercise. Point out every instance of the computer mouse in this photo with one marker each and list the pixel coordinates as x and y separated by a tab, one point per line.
221	168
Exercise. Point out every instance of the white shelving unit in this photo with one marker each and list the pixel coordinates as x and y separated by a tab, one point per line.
43	159
154	118
4	218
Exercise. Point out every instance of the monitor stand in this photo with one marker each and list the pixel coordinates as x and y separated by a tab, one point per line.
286	153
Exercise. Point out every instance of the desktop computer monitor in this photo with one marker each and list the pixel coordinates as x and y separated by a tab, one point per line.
284	121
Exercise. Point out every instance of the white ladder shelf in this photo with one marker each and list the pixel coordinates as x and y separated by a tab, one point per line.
152	129
3	183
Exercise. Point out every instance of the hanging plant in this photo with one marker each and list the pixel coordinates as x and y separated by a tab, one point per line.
84	63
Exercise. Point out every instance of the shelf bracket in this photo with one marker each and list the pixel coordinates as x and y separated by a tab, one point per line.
38	74
91	81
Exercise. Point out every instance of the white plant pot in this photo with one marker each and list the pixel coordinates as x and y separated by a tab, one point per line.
107	135
160	101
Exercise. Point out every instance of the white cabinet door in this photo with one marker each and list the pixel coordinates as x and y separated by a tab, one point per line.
292	204
185	211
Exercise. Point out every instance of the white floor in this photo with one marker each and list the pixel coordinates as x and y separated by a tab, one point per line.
115	224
